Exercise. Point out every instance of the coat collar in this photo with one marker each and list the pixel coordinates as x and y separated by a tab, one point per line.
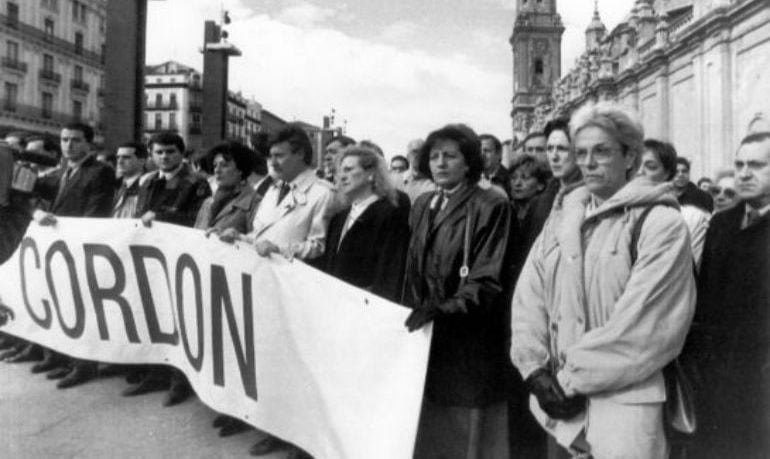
242	201
455	205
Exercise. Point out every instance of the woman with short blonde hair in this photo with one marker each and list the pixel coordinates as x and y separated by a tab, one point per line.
597	313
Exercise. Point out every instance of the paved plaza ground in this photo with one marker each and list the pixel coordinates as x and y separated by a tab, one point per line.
94	421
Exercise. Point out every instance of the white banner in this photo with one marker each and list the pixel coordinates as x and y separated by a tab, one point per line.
278	344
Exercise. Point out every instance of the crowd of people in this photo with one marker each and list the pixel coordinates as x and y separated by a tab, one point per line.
560	289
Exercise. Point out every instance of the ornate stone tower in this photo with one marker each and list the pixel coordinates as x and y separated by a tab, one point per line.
536	43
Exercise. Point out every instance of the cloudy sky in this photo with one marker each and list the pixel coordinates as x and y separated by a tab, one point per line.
394	70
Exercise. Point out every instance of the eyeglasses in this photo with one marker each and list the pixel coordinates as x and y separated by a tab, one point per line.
601	154
718	190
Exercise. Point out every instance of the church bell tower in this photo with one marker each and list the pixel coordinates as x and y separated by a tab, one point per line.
536	45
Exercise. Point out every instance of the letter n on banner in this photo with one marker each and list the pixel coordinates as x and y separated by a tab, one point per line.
220	300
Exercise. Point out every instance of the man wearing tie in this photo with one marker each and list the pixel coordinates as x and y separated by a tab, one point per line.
131	157
293	216
292	220
730	338
84	187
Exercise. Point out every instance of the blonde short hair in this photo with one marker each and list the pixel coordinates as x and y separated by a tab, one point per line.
617	122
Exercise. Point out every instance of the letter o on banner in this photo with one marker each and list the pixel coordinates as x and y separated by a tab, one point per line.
60	247
186	263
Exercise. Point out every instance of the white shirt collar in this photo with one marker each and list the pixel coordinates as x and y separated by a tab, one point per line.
172	174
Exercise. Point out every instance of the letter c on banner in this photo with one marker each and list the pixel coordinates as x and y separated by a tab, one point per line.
186	262
29	244
77	297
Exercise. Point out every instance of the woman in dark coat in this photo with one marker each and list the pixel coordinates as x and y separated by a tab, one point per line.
234	201
455	261
367	241
229	212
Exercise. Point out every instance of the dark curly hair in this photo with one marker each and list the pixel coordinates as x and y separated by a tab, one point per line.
469	145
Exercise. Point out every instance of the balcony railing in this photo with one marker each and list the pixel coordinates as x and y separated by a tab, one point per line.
195	130
50	76
196	108
14	64
80	85
31	112
34	33
169	105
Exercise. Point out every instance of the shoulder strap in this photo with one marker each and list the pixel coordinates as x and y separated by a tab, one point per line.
636	232
464	270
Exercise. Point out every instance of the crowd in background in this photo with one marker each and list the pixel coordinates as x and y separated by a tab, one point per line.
561	286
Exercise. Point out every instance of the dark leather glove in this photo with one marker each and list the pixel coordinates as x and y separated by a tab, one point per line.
551	398
419	318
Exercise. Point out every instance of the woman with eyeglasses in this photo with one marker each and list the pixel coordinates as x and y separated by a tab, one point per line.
723	191
659	165
597	313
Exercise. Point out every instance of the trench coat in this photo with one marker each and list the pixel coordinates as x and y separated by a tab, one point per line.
468	363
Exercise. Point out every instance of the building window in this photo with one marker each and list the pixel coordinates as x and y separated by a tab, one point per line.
172	100
47	105
77	109
158	122
172	120
52	5
78	11
78	74
79	42
12	11
48	26
11	94
48	63
196	119
12	51
158	100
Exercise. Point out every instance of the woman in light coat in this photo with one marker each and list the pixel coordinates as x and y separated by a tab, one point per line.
592	328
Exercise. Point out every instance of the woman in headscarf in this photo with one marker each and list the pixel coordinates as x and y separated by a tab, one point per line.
596	315
456	256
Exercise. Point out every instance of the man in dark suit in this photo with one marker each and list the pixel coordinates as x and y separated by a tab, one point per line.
171	194
730	337
687	192
83	187
130	157
492	155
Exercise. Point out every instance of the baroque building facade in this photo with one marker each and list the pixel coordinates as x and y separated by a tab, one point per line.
694	70
52	65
